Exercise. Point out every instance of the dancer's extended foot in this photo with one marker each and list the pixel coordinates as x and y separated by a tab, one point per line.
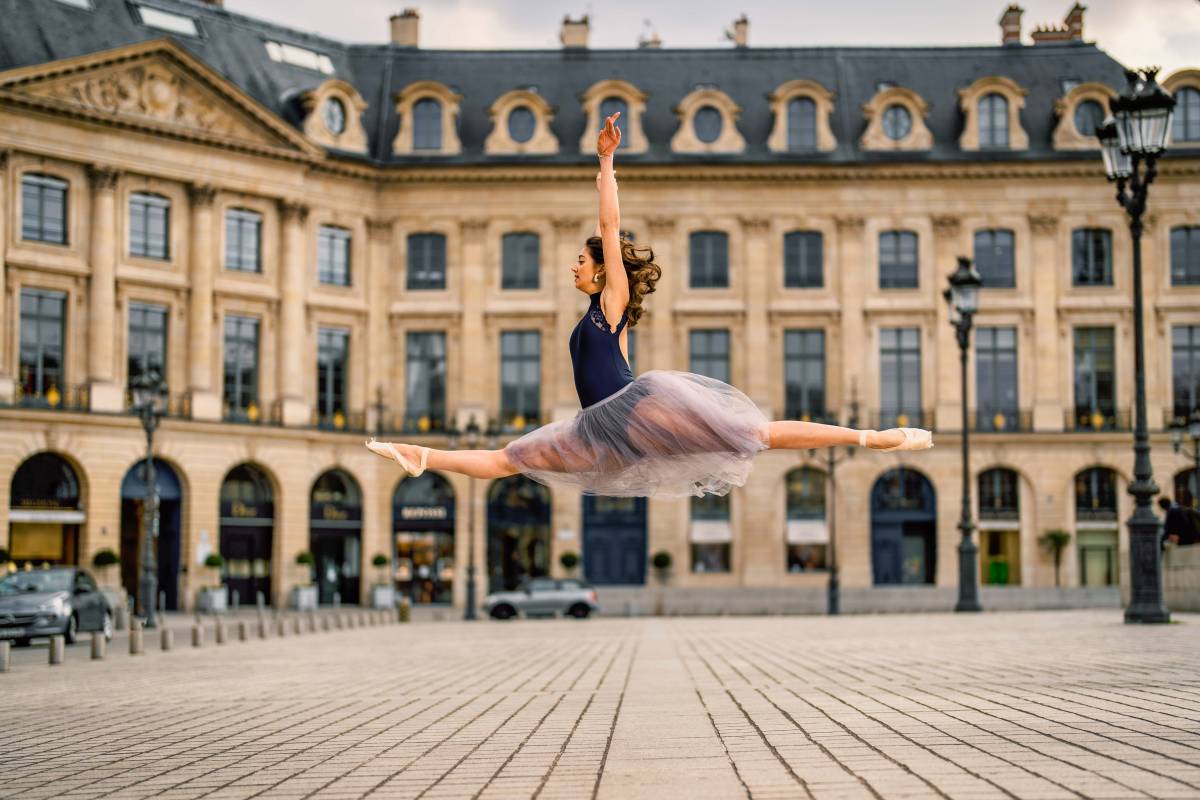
410	457
896	439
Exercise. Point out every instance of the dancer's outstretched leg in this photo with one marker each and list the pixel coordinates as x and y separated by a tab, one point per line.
795	435
475	463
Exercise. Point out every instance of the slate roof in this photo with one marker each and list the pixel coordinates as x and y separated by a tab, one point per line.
37	31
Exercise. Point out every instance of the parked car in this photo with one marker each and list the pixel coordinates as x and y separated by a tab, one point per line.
544	597
50	602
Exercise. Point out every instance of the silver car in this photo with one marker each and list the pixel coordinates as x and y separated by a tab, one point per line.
544	597
60	601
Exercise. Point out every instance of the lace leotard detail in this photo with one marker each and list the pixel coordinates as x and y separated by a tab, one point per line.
600	368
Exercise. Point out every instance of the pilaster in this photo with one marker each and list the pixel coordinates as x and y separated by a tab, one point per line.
205	402
1047	402
568	307
476	349
292	289
104	393
660	352
756	230
7	370
947	393
379	349
852	283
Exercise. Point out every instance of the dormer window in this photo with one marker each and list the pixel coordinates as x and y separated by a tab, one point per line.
614	105
801	109
333	116
707	123
1079	111
427	124
605	98
299	57
993	121
428	111
1088	115
992	107
333	113
802	124
521	124
1184	85
166	21
897	122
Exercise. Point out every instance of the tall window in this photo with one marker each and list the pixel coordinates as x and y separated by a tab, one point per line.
43	209
1096	494
147	341
333	357
43	330
803	258
804	374
520	256
709	260
709	353
243	240
897	260
520	378
425	381
993	121
900	377
426	261
1185	123
1091	257
1095	378
610	106
999	497
802	124
427	124
149	226
711	537
1185	370
1185	256
807	535
241	368
996	379
333	255
994	258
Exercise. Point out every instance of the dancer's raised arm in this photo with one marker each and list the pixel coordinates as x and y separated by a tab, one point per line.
614	296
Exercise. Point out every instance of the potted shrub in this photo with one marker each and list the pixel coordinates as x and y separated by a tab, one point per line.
304	593
661	561
569	561
212	596
383	594
1055	541
104	561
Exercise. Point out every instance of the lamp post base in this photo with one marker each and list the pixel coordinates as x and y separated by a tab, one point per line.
968	589
1145	571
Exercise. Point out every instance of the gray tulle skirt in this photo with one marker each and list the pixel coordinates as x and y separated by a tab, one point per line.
667	434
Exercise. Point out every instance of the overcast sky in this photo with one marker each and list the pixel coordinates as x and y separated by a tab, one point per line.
1136	32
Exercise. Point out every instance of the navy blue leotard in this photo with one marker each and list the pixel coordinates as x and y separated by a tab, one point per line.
600	369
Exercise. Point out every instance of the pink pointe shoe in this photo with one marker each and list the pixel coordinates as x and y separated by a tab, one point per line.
914	439
388	450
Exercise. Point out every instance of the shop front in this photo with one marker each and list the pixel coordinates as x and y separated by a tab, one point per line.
423	528
45	513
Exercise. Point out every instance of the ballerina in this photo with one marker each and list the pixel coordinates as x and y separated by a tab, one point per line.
663	433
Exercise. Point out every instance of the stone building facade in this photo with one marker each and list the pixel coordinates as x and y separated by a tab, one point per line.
316	241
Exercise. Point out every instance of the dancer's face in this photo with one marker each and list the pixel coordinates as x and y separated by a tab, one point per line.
584	270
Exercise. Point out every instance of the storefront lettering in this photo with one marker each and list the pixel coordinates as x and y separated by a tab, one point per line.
239	509
333	512
423	512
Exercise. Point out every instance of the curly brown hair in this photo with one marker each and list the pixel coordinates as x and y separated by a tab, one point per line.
640	268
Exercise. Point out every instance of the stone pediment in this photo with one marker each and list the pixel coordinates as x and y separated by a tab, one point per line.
157	86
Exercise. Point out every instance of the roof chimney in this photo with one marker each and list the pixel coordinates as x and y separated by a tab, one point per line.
405	28
1010	25
741	31
1071	31
1074	22
574	32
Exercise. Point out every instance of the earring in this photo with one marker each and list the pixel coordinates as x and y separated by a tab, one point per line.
595	279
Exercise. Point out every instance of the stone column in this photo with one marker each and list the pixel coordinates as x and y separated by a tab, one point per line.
947	395
657	351
1048	403
7	368
104	393
293	283
476	396
379	298
569	304
757	334
205	401
855	360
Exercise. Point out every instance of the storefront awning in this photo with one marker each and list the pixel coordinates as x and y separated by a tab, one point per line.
45	515
807	531
714	531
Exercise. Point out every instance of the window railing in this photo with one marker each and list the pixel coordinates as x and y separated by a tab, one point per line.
1001	420
1095	419
824	416
254	414
1096	514
906	418
355	421
999	512
71	397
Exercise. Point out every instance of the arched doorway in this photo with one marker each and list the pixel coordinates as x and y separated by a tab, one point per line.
614	540
1186	483
247	531
903	528
167	552
518	532
335	536
999	527
1097	531
423	527
45	512
806	537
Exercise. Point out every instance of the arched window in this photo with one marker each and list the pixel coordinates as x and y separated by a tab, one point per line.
427	124
897	122
993	121
521	122
1096	494
1088	114
1185	125
707	124
802	124
999	495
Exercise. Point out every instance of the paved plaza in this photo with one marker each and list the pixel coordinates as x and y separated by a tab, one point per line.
998	705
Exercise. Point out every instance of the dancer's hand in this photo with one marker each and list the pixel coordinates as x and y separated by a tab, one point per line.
610	137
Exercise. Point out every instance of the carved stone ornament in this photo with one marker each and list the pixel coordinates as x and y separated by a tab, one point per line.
660	225
379	227
753	224
104	179
849	224
291	211
202	195
946	224
1043	223
567	225
473	227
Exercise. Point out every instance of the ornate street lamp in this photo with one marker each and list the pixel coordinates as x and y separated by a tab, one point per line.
833	588
963	299
150	403
472	441
1193	431
1141	119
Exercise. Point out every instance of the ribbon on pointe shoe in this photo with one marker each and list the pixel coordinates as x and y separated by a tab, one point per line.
914	439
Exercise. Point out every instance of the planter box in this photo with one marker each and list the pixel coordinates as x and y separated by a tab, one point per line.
304	598
213	601
383	597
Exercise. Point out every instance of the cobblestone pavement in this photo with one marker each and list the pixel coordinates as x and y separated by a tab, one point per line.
998	705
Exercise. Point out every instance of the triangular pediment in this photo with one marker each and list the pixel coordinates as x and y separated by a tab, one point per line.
154	85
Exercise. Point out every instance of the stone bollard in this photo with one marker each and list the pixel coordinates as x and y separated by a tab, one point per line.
312	622
197	635
262	627
296	629
338	622
5	655
220	632
405	612
350	622
280	627
57	649
99	646
167	639
120	618
325	622
243	631
136	646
